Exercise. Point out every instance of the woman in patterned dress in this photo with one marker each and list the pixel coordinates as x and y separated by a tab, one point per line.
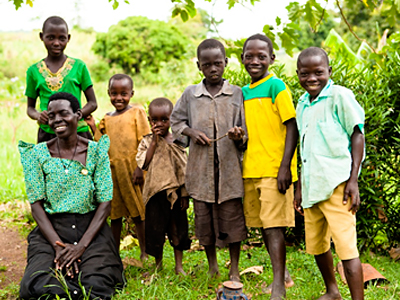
68	183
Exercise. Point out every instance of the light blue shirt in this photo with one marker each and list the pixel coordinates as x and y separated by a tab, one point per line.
326	125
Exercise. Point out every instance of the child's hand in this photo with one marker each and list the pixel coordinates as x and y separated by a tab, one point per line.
284	179
90	121
155	130
43	117
297	201
184	203
138	176
236	133
351	190
199	137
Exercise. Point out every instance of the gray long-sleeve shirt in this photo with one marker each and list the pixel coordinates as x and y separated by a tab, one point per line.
214	116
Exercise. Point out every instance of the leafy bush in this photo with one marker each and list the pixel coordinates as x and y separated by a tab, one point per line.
138	43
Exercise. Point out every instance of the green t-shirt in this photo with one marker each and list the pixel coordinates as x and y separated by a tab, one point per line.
73	77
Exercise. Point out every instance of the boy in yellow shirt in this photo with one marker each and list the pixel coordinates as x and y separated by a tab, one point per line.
269	164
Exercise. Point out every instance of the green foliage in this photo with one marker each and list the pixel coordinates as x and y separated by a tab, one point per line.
309	36
138	43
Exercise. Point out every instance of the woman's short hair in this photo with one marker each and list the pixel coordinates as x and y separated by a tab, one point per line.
66	96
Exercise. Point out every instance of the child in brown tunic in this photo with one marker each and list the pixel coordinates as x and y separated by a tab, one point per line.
164	192
207	113
125	127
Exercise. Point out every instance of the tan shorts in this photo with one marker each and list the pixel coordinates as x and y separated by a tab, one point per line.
264	206
331	219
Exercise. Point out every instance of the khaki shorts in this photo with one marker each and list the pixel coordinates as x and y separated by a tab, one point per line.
331	219
264	206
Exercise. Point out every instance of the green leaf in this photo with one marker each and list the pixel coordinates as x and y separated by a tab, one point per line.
278	21
184	15
18	3
295	12
268	32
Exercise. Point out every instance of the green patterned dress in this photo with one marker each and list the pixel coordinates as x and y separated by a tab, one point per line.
70	192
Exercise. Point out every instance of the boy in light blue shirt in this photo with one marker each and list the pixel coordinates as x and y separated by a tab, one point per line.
331	125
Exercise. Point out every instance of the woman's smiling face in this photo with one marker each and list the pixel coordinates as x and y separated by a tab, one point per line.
62	119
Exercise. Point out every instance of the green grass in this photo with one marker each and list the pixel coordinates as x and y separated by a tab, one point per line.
147	284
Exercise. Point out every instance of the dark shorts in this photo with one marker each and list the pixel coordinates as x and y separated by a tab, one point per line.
100	266
44	136
219	224
161	220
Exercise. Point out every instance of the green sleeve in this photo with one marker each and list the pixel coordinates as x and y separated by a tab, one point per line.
34	177
102	176
31	84
86	81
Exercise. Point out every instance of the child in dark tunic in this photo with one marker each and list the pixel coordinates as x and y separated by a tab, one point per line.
164	193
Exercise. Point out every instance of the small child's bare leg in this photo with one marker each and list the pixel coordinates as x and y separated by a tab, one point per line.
116	227
354	276
274	240
211	252
178	262
325	265
234	252
141	237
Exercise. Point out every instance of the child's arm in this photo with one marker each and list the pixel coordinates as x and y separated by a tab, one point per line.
91	122
180	123
150	151
284	173
297	197
31	111
91	104
357	152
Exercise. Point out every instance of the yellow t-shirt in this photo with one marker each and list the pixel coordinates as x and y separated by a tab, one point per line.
267	105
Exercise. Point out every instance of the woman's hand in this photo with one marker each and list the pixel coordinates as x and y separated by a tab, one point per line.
68	257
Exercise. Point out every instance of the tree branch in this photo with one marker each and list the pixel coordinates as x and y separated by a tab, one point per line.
351	29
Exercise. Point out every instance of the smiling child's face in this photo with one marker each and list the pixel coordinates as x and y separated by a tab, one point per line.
120	92
256	58
313	73
212	64
55	38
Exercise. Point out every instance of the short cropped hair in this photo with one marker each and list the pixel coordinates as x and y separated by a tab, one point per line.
160	102
313	51
261	37
66	96
55	20
120	77
210	44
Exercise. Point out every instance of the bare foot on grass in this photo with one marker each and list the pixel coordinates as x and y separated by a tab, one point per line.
179	271
144	257
213	272
278	294
288	283
330	297
234	276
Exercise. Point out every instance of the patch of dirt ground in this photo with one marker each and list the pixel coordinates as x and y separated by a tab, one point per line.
12	256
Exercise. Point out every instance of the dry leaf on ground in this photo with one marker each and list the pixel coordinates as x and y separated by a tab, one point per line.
255	269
